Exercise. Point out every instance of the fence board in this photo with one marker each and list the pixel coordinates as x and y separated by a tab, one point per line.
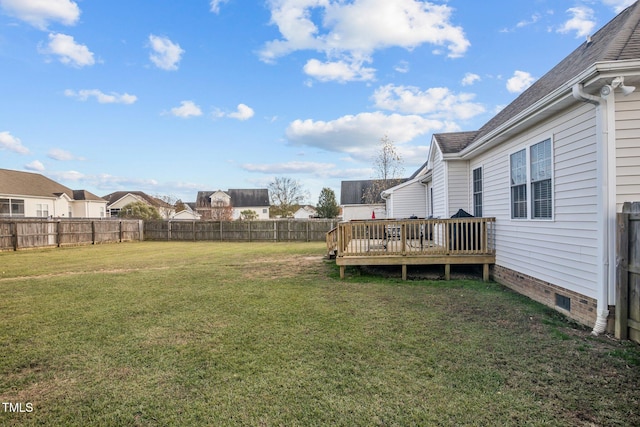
239	231
628	273
38	233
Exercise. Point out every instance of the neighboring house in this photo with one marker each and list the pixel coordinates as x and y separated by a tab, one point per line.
28	195
119	199
188	213
553	167
305	212
353	203
237	200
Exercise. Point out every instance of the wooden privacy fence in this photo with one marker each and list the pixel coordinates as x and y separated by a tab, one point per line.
240	231
27	234
627	325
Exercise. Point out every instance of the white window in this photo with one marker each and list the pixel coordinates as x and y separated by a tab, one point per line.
477	192
531	172
42	210
12	207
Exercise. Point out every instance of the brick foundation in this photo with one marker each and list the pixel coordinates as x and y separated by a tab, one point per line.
583	309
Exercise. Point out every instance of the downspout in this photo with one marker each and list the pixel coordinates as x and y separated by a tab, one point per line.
602	144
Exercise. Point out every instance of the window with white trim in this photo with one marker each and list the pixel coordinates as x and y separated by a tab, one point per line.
518	162
477	192
531	173
42	210
541	188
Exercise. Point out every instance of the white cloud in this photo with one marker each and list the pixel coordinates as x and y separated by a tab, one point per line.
215	5
357	29
618	5
36	165
62	155
520	81
402	67
582	21
11	143
243	113
166	54
186	109
68	51
437	102
469	79
101	97
40	13
289	167
362	132
341	71
534	18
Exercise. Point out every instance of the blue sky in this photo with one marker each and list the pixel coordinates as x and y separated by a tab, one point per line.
173	97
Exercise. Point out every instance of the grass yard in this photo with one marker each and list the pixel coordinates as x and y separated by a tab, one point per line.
260	334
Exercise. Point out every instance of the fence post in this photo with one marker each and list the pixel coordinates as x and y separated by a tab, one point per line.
120	232
193	228
58	233
169	230
622	273
14	235
93	232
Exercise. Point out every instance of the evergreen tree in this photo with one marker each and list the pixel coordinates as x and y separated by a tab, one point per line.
327	205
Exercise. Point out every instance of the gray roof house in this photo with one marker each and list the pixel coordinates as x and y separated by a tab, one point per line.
354	203
553	168
118	199
26	194
237	200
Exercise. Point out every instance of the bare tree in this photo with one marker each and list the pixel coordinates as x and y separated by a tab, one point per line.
221	211
388	170
286	195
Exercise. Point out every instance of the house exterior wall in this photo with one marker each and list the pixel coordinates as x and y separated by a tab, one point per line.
409	200
627	149
262	211
88	209
351	212
439	185
55	207
458	177
561	251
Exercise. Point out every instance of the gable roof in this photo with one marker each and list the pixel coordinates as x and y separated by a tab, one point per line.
454	142
618	40
153	201
240	198
34	184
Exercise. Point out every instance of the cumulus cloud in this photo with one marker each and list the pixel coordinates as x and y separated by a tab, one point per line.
469	79
40	13
520	81
243	112
359	28
186	109
436	102
62	155
101	97
341	71
36	166
357	133
215	5
68	51
165	53
11	143
582	21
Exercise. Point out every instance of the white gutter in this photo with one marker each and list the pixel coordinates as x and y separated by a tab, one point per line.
605	120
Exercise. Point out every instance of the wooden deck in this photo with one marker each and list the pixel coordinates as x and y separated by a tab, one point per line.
414	242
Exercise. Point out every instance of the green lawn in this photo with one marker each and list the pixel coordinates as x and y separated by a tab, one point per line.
267	334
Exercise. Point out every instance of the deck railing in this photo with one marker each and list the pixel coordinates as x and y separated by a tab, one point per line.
456	236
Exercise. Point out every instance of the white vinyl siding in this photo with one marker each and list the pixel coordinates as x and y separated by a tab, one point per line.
564	251
439	185
458	177
627	149
408	200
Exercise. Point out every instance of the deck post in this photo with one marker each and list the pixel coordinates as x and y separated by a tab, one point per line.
404	271
447	272
485	272
342	267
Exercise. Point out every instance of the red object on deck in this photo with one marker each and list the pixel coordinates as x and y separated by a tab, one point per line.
373	214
